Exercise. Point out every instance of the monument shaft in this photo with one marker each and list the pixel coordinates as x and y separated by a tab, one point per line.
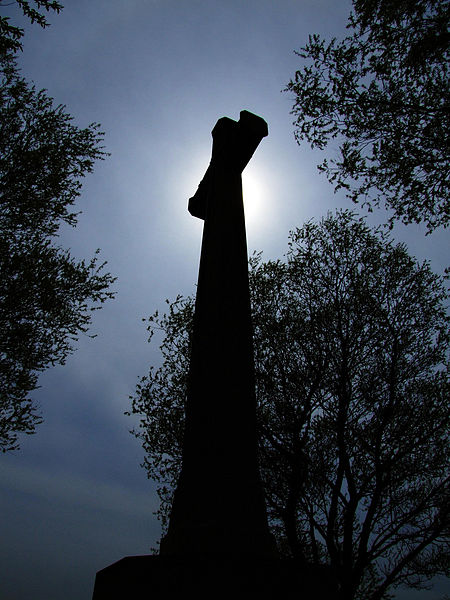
219	506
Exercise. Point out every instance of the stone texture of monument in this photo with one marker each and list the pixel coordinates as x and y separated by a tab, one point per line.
218	537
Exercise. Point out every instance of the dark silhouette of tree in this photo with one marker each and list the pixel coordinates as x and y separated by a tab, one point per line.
11	35
46	296
351	340
382	93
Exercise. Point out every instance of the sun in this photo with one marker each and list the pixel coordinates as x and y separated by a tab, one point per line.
256	191
255	200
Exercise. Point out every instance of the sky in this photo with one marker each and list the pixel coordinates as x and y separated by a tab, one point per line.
157	74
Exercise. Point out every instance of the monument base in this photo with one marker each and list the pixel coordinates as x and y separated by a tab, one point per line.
151	576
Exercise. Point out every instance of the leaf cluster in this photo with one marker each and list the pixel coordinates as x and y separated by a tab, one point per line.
351	338
46	296
160	399
43	157
11	35
382	94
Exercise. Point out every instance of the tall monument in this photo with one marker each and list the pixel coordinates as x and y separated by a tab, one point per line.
218	540
219	505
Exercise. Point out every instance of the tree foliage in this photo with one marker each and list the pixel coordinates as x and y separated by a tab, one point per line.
382	92
351	340
11	35
46	296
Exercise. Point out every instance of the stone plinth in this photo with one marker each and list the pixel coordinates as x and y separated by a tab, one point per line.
139	577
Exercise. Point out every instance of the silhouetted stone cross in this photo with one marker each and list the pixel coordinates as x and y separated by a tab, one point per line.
218	542
219	506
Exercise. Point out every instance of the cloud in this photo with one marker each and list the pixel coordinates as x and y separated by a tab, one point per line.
69	489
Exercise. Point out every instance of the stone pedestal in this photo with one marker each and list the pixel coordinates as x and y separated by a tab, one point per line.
139	577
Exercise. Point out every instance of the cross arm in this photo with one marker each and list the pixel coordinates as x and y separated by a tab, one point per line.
234	143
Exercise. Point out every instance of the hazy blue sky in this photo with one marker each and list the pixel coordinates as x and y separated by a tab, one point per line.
157	74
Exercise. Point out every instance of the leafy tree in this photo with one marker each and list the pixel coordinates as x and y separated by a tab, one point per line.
11	35
46	296
351	336
382	92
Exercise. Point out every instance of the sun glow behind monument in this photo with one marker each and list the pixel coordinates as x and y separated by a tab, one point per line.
255	198
257	190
